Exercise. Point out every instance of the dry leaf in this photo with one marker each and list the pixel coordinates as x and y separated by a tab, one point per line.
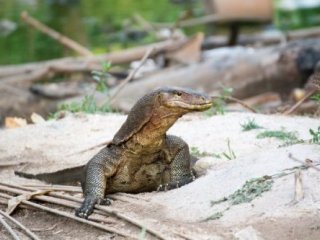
15	201
36	118
14	122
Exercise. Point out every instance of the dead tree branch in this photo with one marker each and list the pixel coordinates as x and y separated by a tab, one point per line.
65	41
22	227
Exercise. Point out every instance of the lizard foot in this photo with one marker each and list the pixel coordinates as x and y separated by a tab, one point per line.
87	206
175	184
104	201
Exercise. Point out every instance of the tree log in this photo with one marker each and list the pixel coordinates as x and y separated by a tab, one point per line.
249	72
261	38
17	73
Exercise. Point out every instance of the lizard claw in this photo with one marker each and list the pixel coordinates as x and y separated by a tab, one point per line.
104	201
87	206
168	186
175	184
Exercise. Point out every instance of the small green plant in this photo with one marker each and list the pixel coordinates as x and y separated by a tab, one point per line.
315	135
281	135
229	154
250	125
252	189
88	104
196	152
316	97
102	77
142	234
219	103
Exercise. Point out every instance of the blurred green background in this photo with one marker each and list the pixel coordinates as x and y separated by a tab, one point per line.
98	25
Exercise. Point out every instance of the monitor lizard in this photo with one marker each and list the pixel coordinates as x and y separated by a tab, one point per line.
141	157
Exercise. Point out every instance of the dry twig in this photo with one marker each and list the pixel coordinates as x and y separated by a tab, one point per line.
131	75
307	163
25	229
65	41
237	101
9	229
297	105
71	201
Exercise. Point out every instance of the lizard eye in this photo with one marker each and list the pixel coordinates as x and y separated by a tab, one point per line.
178	93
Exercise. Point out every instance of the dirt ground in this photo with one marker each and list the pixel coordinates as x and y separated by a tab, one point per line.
55	145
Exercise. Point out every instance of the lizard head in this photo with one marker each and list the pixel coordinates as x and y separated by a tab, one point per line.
185	99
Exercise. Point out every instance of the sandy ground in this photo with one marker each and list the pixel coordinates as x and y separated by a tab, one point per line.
55	145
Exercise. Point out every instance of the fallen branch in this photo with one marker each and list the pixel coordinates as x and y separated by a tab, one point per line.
63	188
22	227
11	163
307	163
9	229
61	213
131	75
298	104
208	19
261	38
242	103
65	41
71	216
13	74
55	198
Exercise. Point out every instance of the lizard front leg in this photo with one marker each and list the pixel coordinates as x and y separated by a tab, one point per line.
98	169
178	158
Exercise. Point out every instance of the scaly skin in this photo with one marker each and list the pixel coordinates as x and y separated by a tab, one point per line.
141	157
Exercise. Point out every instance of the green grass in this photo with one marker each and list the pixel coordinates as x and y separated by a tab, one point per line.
228	154
316	97
88	104
196	152
219	103
315	135
250	190
280	134
250	125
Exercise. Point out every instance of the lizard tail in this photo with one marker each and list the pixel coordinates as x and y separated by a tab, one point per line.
68	175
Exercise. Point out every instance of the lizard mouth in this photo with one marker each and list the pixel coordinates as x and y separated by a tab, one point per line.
195	106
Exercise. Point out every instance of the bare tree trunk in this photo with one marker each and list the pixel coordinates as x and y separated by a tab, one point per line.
249	72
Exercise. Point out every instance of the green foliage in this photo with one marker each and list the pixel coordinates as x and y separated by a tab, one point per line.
102	77
196	152
143	233
88	22
88	104
250	125
219	103
229	154
315	135
251	189
281	135
316	97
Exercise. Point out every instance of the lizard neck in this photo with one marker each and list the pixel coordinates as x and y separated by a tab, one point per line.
152	135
